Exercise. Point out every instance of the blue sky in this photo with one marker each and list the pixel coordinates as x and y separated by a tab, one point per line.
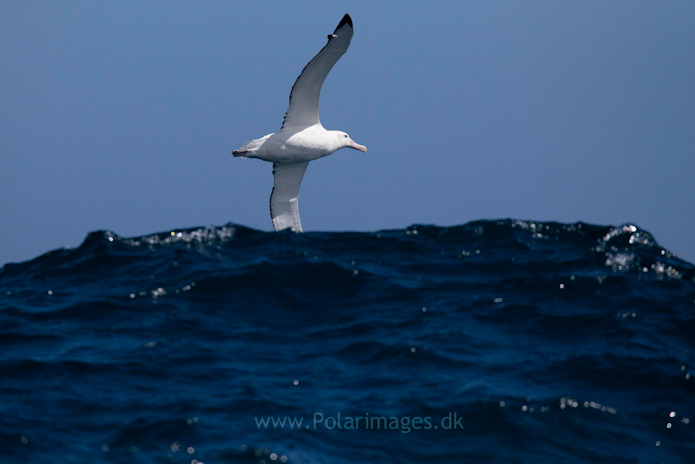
122	115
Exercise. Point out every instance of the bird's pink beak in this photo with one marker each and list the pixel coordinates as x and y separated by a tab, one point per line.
357	146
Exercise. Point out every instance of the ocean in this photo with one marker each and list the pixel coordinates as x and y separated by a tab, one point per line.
501	341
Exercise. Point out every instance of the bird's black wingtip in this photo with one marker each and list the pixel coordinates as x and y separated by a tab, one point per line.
346	20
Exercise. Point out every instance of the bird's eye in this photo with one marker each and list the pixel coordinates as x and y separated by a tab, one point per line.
345	136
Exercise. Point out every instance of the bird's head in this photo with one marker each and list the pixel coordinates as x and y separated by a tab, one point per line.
346	141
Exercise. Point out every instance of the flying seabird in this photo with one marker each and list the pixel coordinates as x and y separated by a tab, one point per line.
302	138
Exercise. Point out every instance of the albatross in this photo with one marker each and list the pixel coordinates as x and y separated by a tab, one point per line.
302	138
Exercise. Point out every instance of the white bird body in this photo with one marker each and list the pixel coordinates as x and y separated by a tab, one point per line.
297	145
302	138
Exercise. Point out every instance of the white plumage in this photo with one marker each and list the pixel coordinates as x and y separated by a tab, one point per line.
302	138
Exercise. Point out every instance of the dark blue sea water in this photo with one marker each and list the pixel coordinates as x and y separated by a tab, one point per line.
495	341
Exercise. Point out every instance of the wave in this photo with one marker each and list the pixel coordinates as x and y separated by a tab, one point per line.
552	342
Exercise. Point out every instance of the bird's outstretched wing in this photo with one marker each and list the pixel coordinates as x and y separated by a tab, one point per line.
304	98
284	200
